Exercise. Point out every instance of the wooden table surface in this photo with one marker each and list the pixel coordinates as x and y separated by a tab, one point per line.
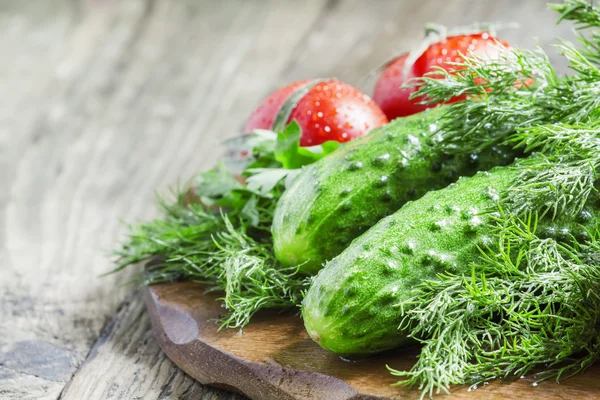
105	102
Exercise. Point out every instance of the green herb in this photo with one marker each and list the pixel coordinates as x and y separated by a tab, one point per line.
520	89
532	301
217	231
561	181
580	11
289	153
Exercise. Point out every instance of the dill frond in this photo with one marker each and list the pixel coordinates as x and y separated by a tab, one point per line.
530	302
206	247
519	89
217	231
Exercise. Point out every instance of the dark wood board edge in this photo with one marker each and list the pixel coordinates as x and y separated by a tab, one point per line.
217	368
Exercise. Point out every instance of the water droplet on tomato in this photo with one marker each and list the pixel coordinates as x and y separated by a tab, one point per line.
485	36
320	114
327	128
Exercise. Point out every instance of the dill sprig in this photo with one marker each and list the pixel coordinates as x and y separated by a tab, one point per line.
529	302
584	16
532	302
561	179
253	279
516	90
217	231
502	99
581	12
553	115
206	247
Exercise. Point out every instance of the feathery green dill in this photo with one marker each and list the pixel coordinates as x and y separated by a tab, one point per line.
517	90
532	302
561	180
217	230
581	12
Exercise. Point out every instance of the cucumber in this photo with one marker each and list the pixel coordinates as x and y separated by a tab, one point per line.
338	198
349	308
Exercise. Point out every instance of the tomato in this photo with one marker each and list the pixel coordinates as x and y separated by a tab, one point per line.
264	116
394	100
329	110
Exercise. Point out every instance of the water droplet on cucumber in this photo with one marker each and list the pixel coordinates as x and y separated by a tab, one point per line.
355	166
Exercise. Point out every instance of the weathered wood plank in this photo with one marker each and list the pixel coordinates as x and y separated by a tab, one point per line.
130	364
105	102
126	104
35	362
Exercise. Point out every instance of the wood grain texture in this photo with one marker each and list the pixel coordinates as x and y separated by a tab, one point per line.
276	359
105	102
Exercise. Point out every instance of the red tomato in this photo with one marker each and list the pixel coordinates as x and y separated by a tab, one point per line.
394	100
264	115
330	110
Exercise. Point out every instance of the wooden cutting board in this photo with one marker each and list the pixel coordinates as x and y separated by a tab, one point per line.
275	359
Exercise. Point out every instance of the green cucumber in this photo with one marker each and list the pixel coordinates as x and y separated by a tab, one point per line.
339	197
349	308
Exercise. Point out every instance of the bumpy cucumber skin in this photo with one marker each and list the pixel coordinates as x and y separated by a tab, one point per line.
338	198
349	308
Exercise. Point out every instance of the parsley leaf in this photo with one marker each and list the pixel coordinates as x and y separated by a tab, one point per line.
289	153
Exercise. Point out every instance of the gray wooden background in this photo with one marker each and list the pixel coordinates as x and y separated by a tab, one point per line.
104	102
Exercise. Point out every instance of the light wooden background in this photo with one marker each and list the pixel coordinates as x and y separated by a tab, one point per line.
104	102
